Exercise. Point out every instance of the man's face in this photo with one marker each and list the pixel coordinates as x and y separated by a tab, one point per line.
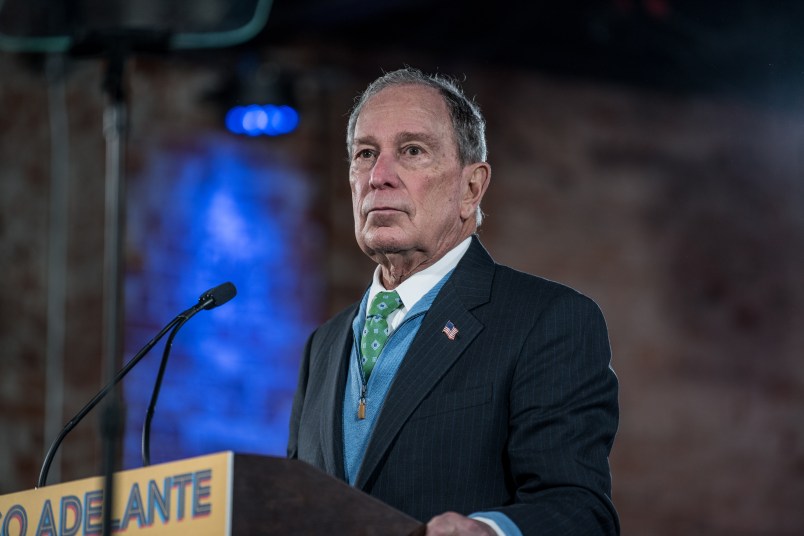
408	187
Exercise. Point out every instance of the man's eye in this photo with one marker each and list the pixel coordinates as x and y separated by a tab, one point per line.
364	153
413	150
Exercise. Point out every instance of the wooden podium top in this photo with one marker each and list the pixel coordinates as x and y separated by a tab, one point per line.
224	493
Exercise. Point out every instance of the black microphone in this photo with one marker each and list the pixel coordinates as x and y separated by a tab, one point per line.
215	297
210	299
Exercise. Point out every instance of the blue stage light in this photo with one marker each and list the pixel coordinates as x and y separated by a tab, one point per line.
221	225
234	120
256	120
271	113
285	120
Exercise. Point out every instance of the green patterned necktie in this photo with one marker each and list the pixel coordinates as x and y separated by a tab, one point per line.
376	330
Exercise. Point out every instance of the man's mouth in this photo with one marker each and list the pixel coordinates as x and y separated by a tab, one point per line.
382	209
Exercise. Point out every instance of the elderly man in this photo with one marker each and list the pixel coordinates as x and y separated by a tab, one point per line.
457	390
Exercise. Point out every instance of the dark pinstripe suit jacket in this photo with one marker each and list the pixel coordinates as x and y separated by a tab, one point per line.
517	414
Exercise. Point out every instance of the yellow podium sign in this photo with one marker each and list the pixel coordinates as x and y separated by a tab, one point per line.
191	496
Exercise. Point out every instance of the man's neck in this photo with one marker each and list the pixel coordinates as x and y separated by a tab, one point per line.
417	285
397	267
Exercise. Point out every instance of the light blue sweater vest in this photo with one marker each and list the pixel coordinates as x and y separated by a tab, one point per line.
356	432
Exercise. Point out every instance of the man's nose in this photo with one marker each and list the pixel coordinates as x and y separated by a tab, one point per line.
384	172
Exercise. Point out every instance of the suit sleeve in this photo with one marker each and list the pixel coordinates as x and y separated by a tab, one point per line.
563	419
298	401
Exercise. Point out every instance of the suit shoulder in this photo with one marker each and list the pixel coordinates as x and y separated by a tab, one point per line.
509	281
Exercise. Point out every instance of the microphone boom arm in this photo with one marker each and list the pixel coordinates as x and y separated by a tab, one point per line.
94	402
207	301
149	413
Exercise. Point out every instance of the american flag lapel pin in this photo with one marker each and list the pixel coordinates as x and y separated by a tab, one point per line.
450	330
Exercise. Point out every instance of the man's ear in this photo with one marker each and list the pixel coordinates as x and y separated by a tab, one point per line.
476	180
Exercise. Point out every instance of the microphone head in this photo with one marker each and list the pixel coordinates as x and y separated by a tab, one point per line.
219	295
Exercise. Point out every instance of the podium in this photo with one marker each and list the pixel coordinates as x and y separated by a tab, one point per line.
217	494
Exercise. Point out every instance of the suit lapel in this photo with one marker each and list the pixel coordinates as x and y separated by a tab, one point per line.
432	352
337	366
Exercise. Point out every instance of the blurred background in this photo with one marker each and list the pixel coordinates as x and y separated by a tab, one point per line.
649	153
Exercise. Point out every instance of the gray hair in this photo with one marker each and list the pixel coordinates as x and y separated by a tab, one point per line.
467	121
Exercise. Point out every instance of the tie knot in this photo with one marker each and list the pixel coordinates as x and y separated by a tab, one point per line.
385	303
